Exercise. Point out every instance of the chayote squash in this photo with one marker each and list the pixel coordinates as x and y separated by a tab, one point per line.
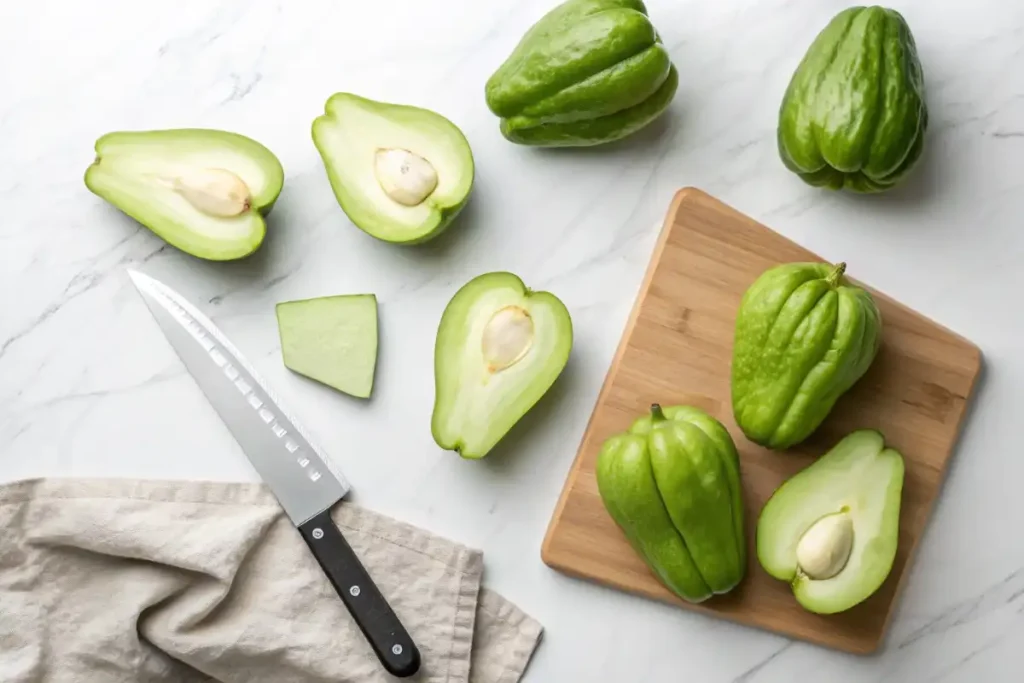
854	114
672	484
588	72
803	337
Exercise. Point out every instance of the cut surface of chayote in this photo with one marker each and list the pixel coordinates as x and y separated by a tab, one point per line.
205	192
331	339
499	348
831	530
400	173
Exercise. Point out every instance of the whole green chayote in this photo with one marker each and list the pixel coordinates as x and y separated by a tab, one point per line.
588	72
854	115
803	337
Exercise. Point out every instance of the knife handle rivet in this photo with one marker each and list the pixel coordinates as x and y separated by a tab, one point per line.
318	533
396	649
354	591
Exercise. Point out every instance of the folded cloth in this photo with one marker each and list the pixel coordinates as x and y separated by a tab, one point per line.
151	581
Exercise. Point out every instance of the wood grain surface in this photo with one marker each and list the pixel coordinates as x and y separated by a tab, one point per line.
677	348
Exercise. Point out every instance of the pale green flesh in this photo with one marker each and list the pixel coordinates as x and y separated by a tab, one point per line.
473	406
332	340
859	475
134	171
348	136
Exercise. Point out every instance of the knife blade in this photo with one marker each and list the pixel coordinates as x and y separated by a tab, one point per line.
301	477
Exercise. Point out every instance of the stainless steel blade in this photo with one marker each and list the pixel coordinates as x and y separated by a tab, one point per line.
300	475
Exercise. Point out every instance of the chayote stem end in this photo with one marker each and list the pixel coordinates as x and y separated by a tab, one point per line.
657	414
836	275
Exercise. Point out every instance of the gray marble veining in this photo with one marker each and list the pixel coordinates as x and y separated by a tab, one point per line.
89	387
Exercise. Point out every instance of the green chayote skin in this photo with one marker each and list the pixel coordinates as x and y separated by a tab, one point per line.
854	115
802	338
588	72
672	484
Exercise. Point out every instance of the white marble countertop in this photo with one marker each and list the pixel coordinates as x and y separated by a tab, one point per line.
89	387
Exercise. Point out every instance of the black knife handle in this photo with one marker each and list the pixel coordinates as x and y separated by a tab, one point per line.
371	612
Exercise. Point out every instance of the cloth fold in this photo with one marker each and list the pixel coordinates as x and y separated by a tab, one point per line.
111	580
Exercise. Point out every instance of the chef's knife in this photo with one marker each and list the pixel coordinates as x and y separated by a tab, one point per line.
299	474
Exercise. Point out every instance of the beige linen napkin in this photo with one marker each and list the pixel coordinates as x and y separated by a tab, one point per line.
151	581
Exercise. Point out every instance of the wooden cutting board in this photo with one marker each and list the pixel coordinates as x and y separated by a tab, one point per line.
677	348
